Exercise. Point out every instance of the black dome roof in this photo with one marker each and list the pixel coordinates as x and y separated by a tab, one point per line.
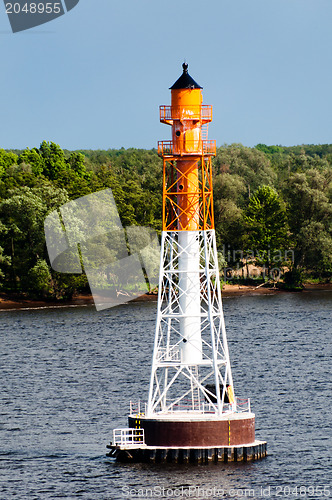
185	81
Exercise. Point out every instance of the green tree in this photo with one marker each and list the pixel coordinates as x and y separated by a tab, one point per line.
270	150
75	185
34	159
54	159
4	261
76	161
65	286
22	228
229	193
252	165
265	219
310	218
39	280
7	159
23	215
316	245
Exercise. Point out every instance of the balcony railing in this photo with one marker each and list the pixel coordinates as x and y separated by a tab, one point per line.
201	113
168	354
128	437
168	148
187	406
241	406
137	409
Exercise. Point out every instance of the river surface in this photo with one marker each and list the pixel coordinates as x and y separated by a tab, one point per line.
68	374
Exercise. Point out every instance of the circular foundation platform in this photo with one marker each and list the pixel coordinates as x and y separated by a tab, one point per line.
145	454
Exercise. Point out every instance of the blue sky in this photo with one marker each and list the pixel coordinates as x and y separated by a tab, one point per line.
95	77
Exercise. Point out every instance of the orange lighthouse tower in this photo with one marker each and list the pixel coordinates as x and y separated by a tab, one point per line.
192	413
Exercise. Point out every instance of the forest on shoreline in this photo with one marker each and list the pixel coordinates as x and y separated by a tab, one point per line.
273	210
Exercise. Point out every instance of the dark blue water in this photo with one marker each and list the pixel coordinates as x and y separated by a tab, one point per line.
68	374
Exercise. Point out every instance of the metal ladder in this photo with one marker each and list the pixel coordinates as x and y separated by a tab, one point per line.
204	132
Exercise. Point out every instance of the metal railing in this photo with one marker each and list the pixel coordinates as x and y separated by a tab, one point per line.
128	437
243	405
201	113
168	148
188	405
168	354
137	409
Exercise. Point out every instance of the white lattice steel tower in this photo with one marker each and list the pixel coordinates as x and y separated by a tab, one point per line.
191	368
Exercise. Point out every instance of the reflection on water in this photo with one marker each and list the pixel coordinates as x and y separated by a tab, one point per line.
68	375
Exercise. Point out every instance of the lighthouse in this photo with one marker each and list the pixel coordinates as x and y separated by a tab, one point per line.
192	413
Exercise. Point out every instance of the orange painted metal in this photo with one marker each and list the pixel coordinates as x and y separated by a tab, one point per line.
187	187
170	113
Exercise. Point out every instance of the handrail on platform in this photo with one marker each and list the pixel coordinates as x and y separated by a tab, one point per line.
199	147
201	113
128	436
241	406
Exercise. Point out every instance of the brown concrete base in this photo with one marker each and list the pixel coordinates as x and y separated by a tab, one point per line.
203	431
146	454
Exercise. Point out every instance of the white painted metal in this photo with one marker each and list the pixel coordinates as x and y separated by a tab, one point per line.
242	406
189	297
190	309
128	436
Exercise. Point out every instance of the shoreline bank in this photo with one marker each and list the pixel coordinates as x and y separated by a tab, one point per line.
8	302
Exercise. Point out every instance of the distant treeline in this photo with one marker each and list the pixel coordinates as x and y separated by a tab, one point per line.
273	208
